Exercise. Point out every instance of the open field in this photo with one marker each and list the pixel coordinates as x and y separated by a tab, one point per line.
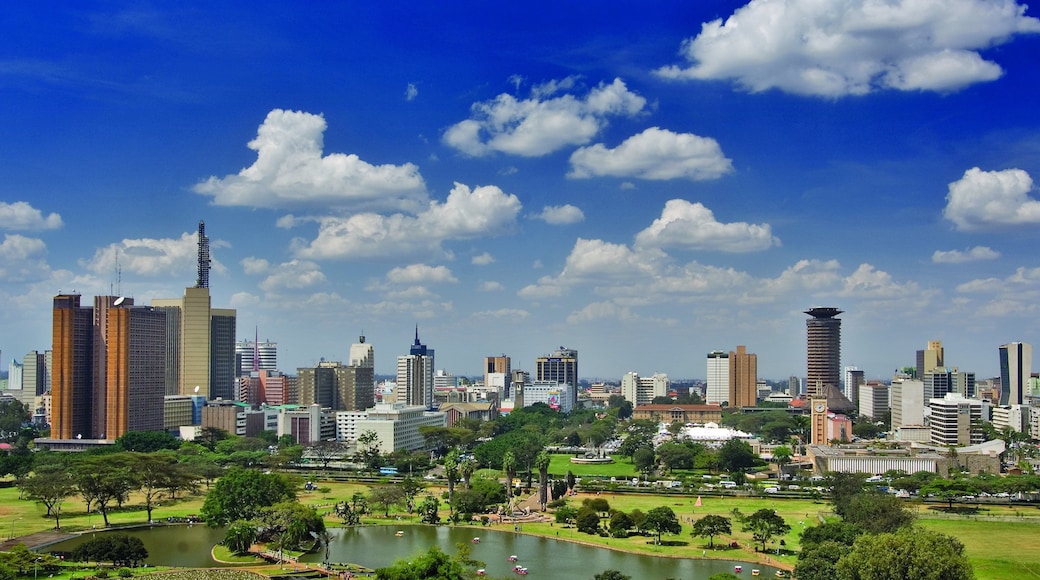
999	539
622	468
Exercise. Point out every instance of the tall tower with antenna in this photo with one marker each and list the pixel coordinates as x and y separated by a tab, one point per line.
203	279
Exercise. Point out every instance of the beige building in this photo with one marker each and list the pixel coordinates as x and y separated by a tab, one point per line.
743	378
681	413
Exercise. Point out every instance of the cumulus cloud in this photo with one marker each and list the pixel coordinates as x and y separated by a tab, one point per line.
490	286
22	216
291	171
653	154
293	275
869	282
560	215
503	313
252	265
543	123
410	92
688	225
151	257
853	47
969	255
420	274
22	259
483	211
985	199
483	259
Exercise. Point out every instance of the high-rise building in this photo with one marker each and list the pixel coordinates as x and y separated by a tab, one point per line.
955	421
362	354
929	358
36	376
136	347
907	402
99	404
255	355
415	375
497	364
853	379
717	389
743	378
72	377
1016	362
205	337
874	399
942	380
562	367
823	332
642	390
336	386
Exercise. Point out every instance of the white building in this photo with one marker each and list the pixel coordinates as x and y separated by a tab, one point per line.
397	425
263	354
717	390
907	402
873	399
307	425
1014	416
642	390
556	395
954	421
853	380
346	425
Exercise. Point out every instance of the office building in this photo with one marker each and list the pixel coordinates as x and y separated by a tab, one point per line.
499	365
397	425
335	386
561	367
929	358
36	372
415	375
873	399
99	370
907	402
1016	362
72	376
255	355
743	378
942	380
135	358
642	390
853	379
955	421
823	340
556	395
717	390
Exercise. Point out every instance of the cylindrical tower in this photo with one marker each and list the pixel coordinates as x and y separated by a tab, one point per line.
823	332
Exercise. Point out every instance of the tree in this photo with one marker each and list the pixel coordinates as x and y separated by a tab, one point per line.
434	565
102	480
411	487
210	436
735	455
324	452
386	496
429	510
147	441
620	523
710	526
820	561
782	456
368	453
240	536
844	486
587	521
908	553
764	525
566	514
49	485
948	489
290	523
542	463
611	575
675	455
157	474
878	512
644	459
467	467
242	493
662	520
120	549
350	511
509	467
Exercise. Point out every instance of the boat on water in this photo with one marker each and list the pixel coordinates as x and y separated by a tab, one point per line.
520	570
755	572
481	572
738	569
399	533
513	558
780	574
475	540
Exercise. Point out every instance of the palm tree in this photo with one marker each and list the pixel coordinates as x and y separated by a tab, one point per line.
542	463
451	471
509	466
782	456
466	468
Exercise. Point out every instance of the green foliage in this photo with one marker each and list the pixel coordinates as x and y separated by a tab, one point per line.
949	489
844	487
908	553
119	549
597	504
12	415
662	520
764	525
587	521
147	441
289	523
50	484
611	575
240	536
104	479
723	576
736	455
620	524
843	533
566	514
644	459
710	526
428	510
351	511
819	561
124	573
241	494
524	445
484	492
878	512
384	497
432	565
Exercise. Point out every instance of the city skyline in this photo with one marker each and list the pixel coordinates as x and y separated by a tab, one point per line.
631	182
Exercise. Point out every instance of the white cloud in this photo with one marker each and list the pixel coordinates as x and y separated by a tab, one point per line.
290	171
244	300
253	265
483	259
420	274
491	286
293	275
23	259
410	92
853	47
22	216
688	225
868	282
985	199
481	212
543	123
152	257
969	255
503	313
559	215
654	154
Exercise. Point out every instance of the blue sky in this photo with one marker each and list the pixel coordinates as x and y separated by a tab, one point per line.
643	183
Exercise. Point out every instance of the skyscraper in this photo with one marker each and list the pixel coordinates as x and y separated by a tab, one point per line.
743	378
256	355
497	364
717	388
929	358
1016	363
560	367
415	375
823	332
853	379
72	376
136	362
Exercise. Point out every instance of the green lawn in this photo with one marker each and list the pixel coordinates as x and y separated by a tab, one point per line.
622	468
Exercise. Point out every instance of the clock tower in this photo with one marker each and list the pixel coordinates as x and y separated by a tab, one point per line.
818	421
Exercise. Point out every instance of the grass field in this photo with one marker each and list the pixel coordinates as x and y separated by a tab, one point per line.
999	540
622	468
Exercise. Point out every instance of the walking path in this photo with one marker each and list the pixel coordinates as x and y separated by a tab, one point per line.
33	541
